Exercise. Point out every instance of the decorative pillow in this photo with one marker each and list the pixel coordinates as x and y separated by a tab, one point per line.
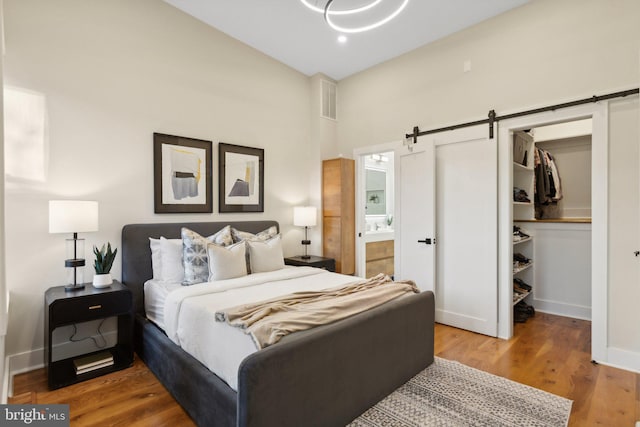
266	256
171	269
226	262
239	236
194	256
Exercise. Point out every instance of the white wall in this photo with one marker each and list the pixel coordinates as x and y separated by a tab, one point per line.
111	73
561	268
545	52
3	250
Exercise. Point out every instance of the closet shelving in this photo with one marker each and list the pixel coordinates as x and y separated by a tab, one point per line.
523	271
523	179
523	175
522	268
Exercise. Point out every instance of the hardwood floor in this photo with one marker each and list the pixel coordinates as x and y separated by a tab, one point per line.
548	352
551	353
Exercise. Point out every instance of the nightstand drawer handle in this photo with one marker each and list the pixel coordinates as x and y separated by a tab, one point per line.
94	307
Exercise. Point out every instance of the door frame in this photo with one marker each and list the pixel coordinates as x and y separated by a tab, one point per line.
361	225
599	113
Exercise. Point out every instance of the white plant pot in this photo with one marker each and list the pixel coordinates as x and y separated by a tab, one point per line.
102	280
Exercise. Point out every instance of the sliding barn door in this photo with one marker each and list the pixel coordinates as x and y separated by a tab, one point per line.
448	217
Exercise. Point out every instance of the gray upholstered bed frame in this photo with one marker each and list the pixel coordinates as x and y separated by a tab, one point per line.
323	377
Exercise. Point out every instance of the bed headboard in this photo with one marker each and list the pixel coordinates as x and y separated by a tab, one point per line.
136	253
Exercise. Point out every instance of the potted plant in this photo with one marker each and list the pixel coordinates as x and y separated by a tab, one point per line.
102	266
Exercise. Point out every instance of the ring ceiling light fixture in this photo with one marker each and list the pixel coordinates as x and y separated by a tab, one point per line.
319	9
328	11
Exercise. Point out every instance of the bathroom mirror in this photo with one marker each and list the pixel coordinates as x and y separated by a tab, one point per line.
376	181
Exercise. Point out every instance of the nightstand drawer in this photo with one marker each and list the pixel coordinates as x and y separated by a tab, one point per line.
89	307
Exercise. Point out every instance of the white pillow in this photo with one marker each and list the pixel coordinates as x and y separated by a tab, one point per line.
266	256
226	262
171	269
156	259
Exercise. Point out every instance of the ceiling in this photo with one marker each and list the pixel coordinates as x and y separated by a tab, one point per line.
293	34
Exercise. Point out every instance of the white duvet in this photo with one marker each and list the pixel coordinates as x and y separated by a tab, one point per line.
189	313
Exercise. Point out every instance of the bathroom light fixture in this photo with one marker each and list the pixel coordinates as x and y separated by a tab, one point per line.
329	11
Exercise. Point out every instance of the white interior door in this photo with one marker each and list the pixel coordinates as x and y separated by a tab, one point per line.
447	190
415	214
467	229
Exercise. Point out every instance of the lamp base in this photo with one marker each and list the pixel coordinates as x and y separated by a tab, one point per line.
305	256
73	288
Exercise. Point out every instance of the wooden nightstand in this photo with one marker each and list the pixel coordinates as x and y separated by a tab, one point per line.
312	261
64	308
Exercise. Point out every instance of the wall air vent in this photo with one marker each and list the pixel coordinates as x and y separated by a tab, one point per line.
329	93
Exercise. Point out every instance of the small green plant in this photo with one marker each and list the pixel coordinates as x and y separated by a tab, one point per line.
104	259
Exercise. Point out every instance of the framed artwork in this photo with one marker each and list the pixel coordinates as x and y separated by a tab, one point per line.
241	178
182	174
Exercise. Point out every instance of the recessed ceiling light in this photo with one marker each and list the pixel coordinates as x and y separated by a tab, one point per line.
342	38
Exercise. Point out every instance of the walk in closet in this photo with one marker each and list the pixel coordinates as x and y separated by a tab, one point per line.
552	220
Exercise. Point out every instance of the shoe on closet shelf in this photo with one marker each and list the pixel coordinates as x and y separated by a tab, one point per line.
519	195
519	317
521	284
523	307
518	234
521	258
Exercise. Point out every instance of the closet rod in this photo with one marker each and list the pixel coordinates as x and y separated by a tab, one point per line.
493	118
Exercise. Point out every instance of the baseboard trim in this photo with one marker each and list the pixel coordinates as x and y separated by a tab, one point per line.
623	359
562	309
23	362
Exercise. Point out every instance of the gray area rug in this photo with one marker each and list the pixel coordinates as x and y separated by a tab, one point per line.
449	393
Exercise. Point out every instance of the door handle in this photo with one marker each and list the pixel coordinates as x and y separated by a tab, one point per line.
427	241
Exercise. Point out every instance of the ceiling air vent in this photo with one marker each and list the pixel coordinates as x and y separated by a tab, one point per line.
328	100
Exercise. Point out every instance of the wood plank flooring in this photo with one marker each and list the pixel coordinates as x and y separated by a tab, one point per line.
548	352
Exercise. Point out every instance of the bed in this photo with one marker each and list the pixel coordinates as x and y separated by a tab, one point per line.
326	376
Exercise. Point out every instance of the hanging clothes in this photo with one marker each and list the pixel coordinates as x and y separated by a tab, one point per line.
548	189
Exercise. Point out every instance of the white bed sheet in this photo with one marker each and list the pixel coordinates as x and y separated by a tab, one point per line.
189	313
155	294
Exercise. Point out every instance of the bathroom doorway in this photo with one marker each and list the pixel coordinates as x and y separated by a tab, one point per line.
375	194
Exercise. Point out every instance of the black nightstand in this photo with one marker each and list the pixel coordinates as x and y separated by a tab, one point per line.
312	261
64	308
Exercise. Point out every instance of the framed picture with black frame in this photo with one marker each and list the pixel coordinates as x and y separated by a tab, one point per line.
182	174
241	178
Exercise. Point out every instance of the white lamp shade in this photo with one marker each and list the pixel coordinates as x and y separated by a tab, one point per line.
73	216
304	216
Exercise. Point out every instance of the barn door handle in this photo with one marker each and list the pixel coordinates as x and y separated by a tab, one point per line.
427	241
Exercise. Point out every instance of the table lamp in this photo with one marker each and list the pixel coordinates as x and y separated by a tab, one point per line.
305	216
73	216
